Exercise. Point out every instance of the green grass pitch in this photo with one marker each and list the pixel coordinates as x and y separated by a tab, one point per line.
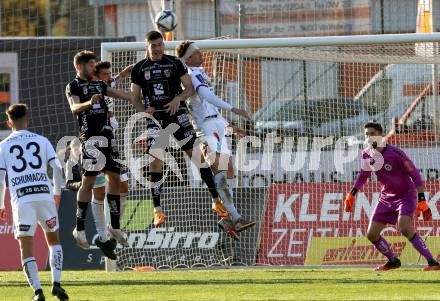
251	284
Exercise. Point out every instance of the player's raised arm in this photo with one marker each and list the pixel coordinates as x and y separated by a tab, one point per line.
124	73
75	104
118	94
206	94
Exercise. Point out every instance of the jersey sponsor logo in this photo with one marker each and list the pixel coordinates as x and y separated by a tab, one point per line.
167	72
147	75
52	222
183	120
158	89
32	190
24	228
168	238
388	167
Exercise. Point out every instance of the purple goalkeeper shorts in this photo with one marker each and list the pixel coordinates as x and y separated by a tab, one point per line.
388	211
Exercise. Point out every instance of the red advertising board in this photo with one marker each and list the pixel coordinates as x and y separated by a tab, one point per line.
295	213
10	251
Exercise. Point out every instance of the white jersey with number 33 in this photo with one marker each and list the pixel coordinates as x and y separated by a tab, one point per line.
25	156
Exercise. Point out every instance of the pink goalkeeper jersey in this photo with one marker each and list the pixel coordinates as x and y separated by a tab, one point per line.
398	174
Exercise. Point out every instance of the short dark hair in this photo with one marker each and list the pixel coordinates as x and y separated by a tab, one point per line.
182	48
17	111
375	125
83	57
153	35
101	65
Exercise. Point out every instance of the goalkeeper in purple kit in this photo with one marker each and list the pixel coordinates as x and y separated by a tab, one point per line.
401	198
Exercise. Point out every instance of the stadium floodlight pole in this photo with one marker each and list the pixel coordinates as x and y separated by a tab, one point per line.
286	42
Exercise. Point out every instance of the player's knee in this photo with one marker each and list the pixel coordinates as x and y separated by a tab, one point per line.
99	193
87	185
373	236
123	188
26	247
156	166
52	238
406	231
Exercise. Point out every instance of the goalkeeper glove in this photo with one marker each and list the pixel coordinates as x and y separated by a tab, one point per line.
350	199
422	207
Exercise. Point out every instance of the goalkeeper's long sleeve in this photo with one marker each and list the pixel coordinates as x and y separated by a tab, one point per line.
210	97
361	179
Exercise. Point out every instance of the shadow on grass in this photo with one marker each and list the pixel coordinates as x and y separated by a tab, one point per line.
191	282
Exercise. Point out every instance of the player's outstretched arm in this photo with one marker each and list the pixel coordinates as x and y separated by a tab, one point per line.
124	73
77	107
237	131
74	102
118	94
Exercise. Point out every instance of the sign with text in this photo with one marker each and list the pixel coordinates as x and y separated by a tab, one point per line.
298	213
297	18
359	250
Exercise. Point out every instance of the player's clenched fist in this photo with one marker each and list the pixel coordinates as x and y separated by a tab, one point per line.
422	207
350	199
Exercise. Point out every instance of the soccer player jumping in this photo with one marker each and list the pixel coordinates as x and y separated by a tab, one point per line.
401	187
86	100
157	80
207	120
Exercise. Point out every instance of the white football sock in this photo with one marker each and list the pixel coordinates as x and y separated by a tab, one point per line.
99	217
30	269
56	262
226	194
123	203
